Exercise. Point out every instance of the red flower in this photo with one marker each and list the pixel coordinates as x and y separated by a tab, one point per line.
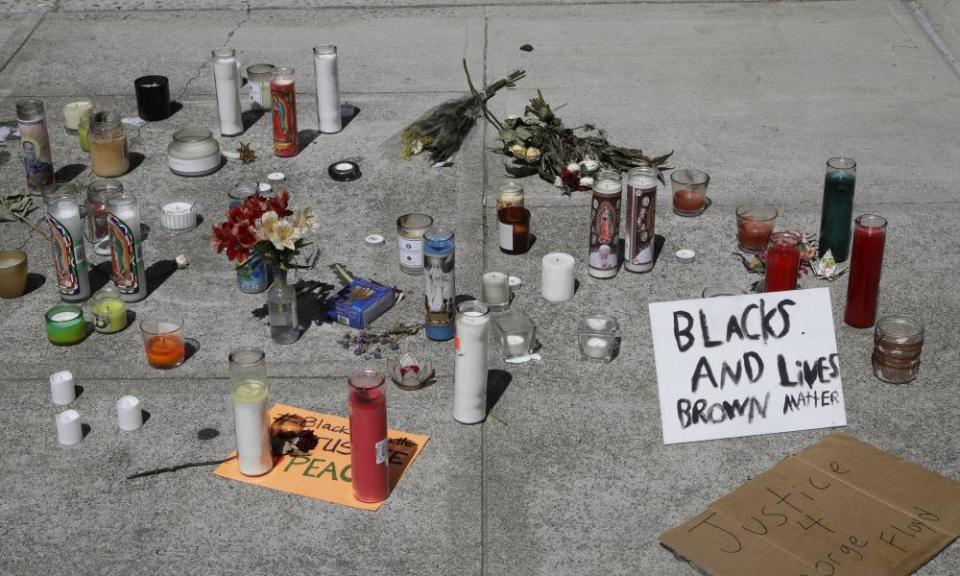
237	239
571	180
279	204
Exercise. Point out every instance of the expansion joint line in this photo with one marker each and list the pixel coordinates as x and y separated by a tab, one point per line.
199	70
921	17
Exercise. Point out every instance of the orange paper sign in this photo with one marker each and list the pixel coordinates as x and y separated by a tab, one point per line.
325	472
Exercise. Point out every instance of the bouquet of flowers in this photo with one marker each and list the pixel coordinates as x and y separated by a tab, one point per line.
442	130
266	226
539	143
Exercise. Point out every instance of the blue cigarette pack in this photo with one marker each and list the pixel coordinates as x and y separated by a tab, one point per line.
360	303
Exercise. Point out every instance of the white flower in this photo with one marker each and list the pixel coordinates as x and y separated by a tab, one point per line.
531	154
518	150
558	182
284	235
589	165
182	261
267	221
586	181
416	147
573	167
304	220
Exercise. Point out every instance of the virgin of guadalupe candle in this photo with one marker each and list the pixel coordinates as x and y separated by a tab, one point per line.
369	452
783	262
328	88
604	259
470	364
69	257
866	264
226	77
248	376
65	325
129	270
440	283
837	213
35	142
641	188
284	94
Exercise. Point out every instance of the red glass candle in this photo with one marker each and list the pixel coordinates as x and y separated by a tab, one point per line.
369	466
783	262
754	227
284	95
866	263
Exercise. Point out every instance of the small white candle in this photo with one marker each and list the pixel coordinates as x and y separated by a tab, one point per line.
516	346
129	414
596	347
558	282
178	215
64	316
69	429
74	112
596	323
496	289
61	383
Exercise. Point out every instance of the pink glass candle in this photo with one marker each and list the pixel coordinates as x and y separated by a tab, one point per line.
369	464
866	263
783	262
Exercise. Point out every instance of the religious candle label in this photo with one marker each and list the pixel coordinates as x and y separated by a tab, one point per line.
127	257
36	154
66	263
284	118
641	207
746	365
440	300
605	232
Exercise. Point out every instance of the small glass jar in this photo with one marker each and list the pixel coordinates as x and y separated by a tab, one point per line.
897	345
108	310
514	230
496	290
754	227
689	191
180	214
65	325
248	363
95	226
240	193
410	229
517	334
509	193
259	76
599	338
193	152
108	145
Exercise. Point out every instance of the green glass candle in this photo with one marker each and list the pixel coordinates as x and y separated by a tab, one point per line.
109	311
837	211
84	132
65	325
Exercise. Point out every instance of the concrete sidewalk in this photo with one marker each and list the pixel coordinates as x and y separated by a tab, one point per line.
569	476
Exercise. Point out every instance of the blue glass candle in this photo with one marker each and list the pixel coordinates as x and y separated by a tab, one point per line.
440	286
837	211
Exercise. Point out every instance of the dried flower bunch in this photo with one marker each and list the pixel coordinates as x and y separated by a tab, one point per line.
539	143
267	227
442	130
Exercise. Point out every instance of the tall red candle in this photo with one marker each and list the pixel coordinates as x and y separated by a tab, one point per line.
284	95
866	263
783	262
369	466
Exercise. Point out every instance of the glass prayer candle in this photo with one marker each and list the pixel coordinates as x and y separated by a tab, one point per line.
783	262
327	76
640	241
516	333
73	112
470	363
126	242
509	193
240	192
754	227
514	228
604	249
259	76
369	450
599	338
496	290
284	95
65	324
837	211
163	342
95	230
897	344
439	258
13	273
226	78
35	143
109	311
69	253
410	230
153	97
248	377
866	263
689	191
193	152
108	146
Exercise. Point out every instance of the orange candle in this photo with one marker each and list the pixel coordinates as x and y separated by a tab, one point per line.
165	351
688	201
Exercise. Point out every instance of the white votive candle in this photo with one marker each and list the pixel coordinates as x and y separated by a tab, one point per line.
178	215
69	429
496	289
73	112
596	347
558	282
129	414
61	383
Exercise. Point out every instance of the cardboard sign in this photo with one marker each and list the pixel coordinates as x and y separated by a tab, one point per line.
746	365
839	508
325	473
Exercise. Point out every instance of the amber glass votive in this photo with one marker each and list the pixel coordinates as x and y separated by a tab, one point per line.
514	228
689	191
754	227
897	345
163	342
13	273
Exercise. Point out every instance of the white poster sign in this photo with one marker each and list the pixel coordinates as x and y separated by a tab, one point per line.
746	365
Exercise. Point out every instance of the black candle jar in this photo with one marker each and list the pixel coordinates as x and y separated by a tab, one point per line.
153	97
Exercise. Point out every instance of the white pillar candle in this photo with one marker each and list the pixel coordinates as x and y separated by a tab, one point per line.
558	282
226	76
61	387
69	429
470	366
129	414
252	427
73	112
328	88
496	289
70	259
178	215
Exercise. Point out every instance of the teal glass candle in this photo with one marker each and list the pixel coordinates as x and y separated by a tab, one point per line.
65	325
837	212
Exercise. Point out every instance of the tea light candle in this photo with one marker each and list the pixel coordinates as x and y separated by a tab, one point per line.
178	215
596	347
74	112
129	414
558	281
61	388
65	325
69	429
516	345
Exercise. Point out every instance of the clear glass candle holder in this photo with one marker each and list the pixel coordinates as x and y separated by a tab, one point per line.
898	343
496	289
689	191
517	334
163	342
754	227
599	338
